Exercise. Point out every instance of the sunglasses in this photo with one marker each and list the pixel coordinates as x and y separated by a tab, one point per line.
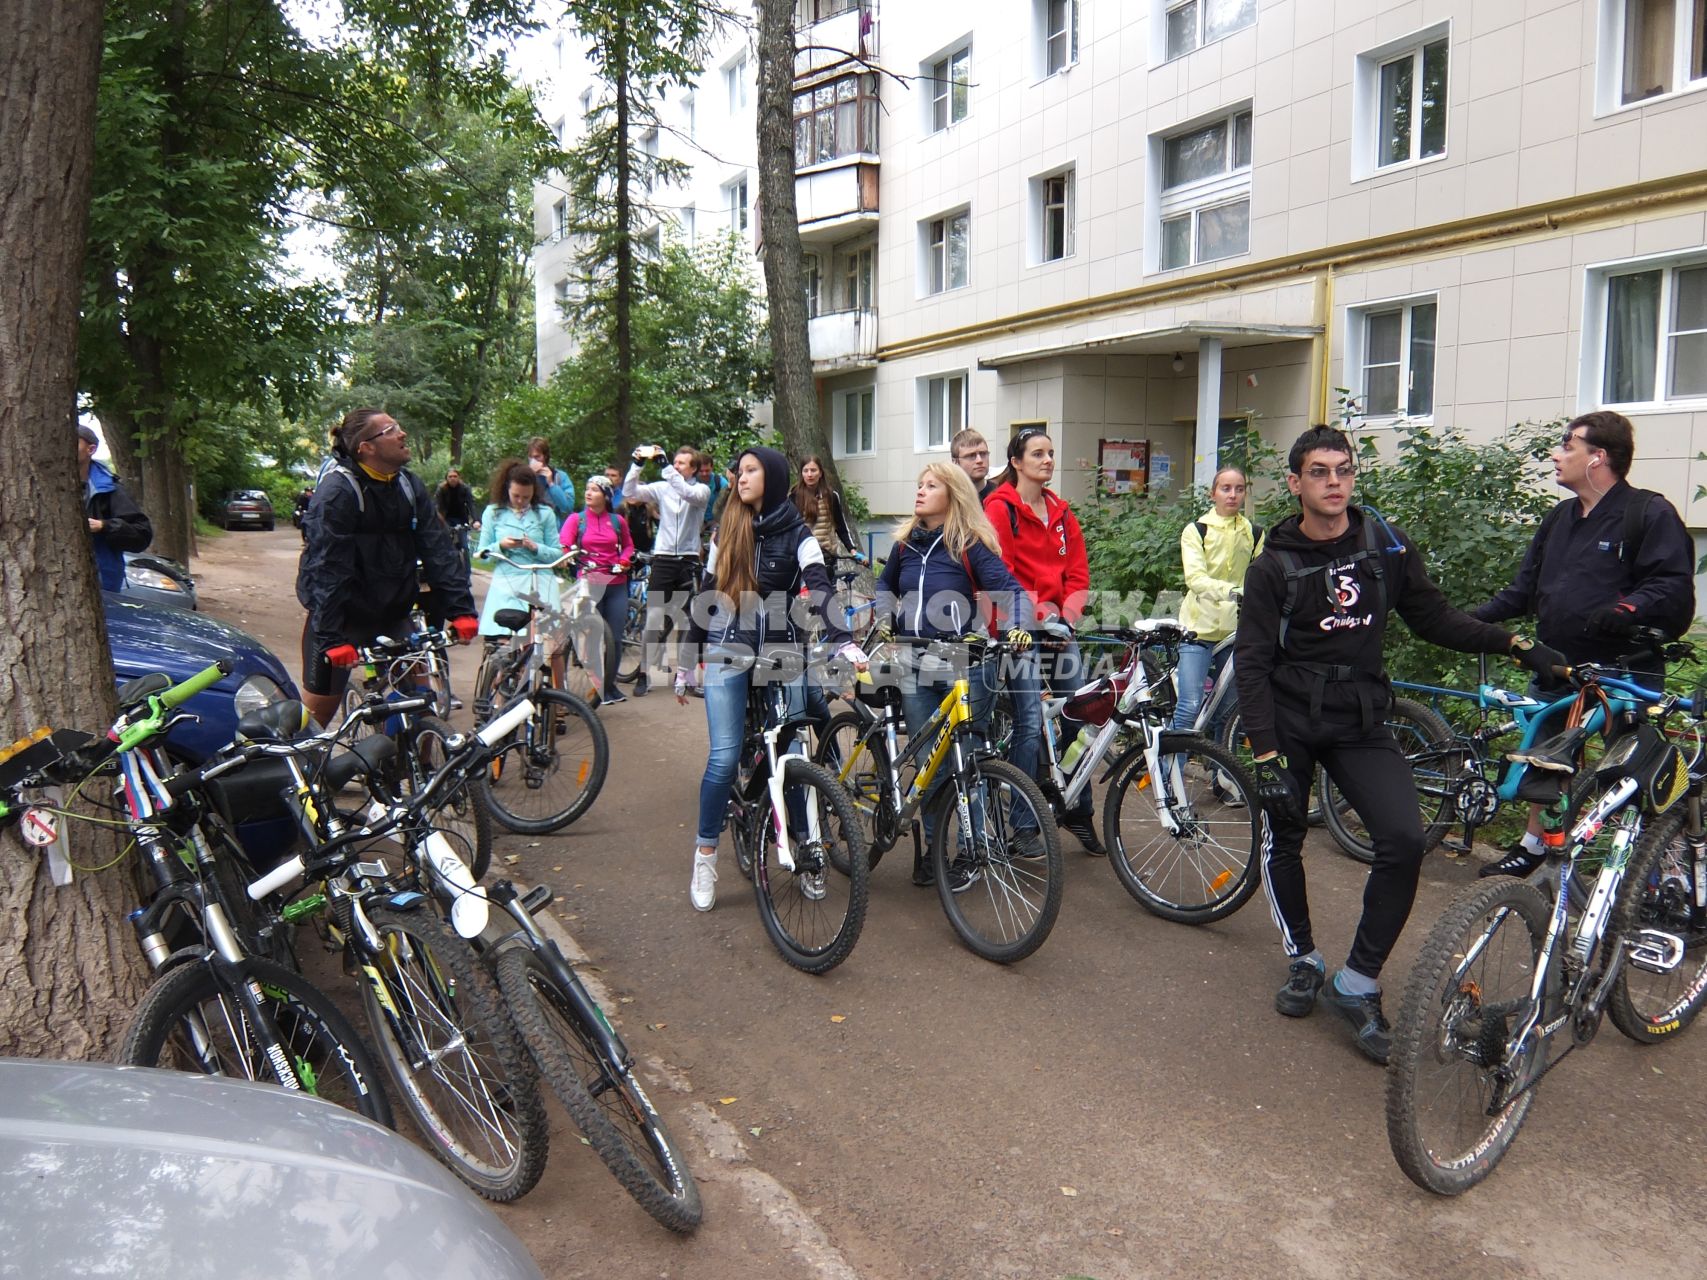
1345	471
392	430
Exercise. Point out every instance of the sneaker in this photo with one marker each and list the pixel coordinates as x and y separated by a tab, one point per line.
1084	831
1027	845
455	703
694	691
1519	861
702	889
813	887
615	696
962	875
1303	983
1370	1032
642	685
1226	794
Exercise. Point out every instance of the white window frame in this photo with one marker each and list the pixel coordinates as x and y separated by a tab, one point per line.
1161	10
938	75
1055	38
735	83
690	114
560	220
1040	210
866	397
690	229
948	394
560	131
1357	357
1591	387
1366	125
1194	198
859	287
1609	64
934	248
737	205
812	283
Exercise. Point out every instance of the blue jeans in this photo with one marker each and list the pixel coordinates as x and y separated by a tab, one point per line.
1196	663
922	692
612	606
727	684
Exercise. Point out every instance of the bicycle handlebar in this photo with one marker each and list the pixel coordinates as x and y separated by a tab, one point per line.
574	553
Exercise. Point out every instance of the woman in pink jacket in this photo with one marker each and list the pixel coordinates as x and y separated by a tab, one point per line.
607	550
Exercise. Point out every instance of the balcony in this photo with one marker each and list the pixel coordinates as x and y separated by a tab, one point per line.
836	200
825	41
842	340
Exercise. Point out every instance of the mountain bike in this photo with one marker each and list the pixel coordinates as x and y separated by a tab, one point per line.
796	832
994	852
1507	984
551	770
634	624
853	599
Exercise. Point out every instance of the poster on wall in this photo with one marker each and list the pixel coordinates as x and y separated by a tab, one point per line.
1161	470
1124	465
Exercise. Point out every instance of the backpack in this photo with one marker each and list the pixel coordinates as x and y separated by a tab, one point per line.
417	490
581	529
1373	530
1203	534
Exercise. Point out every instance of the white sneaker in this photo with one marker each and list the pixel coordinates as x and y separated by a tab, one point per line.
702	889
812	886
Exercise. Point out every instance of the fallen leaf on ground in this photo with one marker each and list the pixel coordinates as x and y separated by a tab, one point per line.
838	1017
512	858
756	1130
625	999
1069	1191
723	1102
656	1026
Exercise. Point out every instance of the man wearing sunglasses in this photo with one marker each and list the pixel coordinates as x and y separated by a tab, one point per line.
370	523
1607	560
1313	687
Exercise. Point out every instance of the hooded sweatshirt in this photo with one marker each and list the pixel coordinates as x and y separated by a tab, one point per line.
1344	636
125	527
786	558
930	591
1047	556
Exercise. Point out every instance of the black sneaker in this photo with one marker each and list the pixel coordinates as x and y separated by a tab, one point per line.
1027	845
642	685
1303	983
1519	861
615	696
1085	832
1370	1032
962	875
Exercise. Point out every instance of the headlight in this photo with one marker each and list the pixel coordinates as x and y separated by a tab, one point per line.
254	693
153	579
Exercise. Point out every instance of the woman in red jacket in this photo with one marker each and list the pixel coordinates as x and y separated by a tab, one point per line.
1044	549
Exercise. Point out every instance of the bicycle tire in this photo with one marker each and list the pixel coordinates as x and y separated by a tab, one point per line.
814	913
859	761
565	774
463	813
472	1098
1230	736
1584	790
1429	746
633	633
604	1098
1209	868
322	1044
1009	909
1657	893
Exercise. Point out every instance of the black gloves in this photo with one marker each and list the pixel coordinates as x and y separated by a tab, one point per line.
1277	791
1615	620
1538	657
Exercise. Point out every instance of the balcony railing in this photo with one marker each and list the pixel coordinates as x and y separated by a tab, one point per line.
840	34
833	202
843	339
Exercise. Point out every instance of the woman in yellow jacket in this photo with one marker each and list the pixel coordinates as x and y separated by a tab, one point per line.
1216	551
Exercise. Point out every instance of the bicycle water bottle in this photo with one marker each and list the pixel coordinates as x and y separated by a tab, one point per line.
1077	747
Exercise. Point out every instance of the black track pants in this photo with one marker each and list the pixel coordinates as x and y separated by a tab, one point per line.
1374	777
669	593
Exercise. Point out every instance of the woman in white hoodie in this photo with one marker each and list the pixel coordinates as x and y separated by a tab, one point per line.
1216	550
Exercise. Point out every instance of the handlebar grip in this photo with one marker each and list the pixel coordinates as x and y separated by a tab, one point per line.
203	679
507	721
277	878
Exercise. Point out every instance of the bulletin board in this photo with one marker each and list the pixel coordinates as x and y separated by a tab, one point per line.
1123	466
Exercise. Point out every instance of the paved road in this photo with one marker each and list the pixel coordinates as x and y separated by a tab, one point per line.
1125	1103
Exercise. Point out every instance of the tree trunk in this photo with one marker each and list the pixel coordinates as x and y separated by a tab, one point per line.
72	971
796	397
624	259
167	484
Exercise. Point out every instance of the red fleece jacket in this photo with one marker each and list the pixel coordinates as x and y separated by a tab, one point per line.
1048	558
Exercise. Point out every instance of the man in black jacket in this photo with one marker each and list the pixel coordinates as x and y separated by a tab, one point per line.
1313	687
1605	561
116	523
370	522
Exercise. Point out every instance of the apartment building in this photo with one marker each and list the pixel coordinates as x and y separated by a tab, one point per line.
1144	222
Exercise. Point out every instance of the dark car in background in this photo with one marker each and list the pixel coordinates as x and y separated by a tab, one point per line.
248	509
155	579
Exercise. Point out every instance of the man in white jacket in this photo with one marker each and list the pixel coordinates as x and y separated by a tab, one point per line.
681	501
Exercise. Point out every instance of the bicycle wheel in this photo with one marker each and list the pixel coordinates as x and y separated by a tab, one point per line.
859	761
1435	764
451	1051
633	629
548	772
1199	863
813	913
1450	1115
604	1098
1009	908
1230	736
1658	894
463	812
189	1021
1584	792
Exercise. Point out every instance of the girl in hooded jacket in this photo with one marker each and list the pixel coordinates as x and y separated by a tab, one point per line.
1215	550
762	555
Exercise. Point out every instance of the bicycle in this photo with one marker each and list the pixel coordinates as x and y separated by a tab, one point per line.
983	824
853	600
796	832
633	639
550	771
1503	972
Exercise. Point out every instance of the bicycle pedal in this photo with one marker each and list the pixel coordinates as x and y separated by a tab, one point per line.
1656	951
1455	847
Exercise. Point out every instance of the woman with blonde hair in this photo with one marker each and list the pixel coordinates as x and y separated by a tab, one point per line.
943	558
1215	551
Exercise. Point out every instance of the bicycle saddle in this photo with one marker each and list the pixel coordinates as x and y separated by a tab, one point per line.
131	692
367	757
1559	754
512	619
275	722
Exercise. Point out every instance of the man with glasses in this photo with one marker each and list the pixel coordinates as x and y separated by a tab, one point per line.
971	453
1605	561
370	522
1313	687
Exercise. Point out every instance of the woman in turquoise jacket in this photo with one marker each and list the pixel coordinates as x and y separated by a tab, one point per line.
1215	551
525	531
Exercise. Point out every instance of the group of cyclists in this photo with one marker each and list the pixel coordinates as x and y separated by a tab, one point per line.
1306	601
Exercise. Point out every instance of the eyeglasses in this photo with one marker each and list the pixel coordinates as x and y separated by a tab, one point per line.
393	429
1580	436
1345	471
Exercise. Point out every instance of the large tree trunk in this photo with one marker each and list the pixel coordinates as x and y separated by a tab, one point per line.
167	486
624	259
70	973
796	398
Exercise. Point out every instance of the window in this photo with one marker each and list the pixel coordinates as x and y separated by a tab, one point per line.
1410	108
560	132
1058	32
561	288
560	219
807	12
1655	330
735	84
855	413
951	87
1394	358
586	102
690	231
688	116
736	197
1662	47
1055	216
1206	192
857	278
1191	24
947	247
942	409
812	282
835	119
